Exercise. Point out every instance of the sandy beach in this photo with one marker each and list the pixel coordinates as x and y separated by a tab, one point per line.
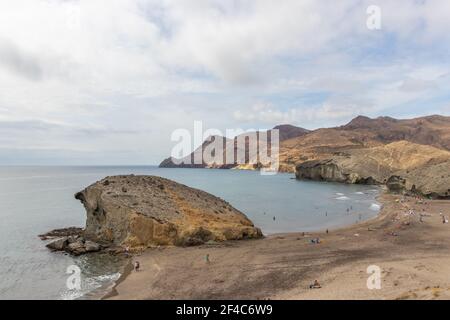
412	251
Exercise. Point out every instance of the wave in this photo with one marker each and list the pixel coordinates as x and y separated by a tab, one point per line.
343	198
375	207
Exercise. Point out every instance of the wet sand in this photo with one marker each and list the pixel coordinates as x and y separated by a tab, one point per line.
414	257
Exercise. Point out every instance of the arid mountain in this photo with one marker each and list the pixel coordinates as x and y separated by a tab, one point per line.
431	130
363	132
285	132
363	151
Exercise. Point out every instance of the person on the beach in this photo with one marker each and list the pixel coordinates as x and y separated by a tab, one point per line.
207	258
137	266
315	285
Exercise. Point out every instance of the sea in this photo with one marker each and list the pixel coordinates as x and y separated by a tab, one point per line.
37	199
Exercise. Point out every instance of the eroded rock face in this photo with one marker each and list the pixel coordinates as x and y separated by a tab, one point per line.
142	211
403	166
332	171
432	181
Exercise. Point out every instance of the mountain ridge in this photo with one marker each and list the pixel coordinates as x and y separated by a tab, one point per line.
343	150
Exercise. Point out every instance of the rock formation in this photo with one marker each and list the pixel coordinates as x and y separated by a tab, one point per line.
403	166
142	211
70	240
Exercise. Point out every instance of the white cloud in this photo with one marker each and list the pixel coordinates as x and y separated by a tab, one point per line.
133	67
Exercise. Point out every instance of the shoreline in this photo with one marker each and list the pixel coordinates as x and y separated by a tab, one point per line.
281	266
128	269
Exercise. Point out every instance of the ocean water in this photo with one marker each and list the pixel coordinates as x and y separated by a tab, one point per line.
34	200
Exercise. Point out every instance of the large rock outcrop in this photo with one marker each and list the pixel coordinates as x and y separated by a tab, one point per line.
332	170
403	166
142	211
432	180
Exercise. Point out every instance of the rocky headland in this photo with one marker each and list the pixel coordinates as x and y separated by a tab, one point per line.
403	166
408	155
147	211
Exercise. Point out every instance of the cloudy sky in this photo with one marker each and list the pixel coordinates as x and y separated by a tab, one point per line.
107	81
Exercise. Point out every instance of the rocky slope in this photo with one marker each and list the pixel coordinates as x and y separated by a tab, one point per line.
432	180
403	166
364	133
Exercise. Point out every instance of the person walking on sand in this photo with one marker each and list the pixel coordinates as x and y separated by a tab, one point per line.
137	266
207	258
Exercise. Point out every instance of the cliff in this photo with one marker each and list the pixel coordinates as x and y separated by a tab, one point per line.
403	166
147	211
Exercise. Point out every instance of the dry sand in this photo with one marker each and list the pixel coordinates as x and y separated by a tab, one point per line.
414	257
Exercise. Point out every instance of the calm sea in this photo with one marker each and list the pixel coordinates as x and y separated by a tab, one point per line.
34	200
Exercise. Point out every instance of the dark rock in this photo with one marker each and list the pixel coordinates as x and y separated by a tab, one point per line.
91	246
396	184
66	232
58	245
76	248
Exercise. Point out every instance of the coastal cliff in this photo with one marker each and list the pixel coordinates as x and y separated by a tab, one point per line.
145	211
403	166
148	210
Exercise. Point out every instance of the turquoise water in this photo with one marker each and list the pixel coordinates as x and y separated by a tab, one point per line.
34	200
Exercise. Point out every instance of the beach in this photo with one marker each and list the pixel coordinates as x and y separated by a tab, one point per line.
411	250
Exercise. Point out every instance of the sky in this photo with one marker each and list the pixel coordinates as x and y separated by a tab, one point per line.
106	82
